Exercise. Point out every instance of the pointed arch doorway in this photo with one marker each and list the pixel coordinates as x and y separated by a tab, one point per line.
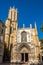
24	50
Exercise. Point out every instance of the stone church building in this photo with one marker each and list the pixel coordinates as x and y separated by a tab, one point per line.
25	42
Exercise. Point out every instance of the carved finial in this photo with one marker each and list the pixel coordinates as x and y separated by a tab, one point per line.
35	25
30	25
23	25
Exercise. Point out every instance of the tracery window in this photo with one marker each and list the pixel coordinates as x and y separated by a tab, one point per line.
23	36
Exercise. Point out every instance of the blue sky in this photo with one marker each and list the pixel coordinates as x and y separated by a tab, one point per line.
29	11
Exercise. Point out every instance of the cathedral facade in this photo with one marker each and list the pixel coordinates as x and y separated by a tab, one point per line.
25	42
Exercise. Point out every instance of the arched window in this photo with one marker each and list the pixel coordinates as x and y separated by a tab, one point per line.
23	36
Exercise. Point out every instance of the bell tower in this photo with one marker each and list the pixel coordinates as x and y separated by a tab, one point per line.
10	31
12	14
